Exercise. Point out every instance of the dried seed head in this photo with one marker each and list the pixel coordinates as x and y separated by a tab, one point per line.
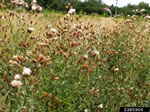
100	106
44	94
17	77
1	88
16	83
26	71
30	30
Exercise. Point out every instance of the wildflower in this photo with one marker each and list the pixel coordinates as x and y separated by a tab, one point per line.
100	106
39	8
131	88
34	1
136	10
53	30
19	3
147	17
26	5
68	15
16	83
29	53
44	94
95	53
116	69
142	10
55	38
41	44
128	20
33	7
26	71
49	26
2	17
15	57
39	65
74	26
71	11
86	110
15	62
85	56
10	62
30	30
17	77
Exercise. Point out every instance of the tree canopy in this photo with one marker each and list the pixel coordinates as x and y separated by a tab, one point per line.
89	6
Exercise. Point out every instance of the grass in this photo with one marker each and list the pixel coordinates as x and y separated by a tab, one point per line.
78	63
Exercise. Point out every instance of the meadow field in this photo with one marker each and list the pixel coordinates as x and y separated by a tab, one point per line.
51	62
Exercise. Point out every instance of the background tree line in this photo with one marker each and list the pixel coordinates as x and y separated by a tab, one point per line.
89	6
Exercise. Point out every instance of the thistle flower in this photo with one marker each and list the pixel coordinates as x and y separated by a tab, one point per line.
30	30
55	38
53	30
85	56
95	53
136	10
15	62
142	10
29	53
86	110
116	69
49	26
34	1
33	7
100	106
39	8
15	57
42	44
19	3
74	26
10	62
68	15
2	17
26	71
17	77
71	11
16	83
147	17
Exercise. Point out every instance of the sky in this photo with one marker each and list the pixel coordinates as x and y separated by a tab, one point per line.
122	3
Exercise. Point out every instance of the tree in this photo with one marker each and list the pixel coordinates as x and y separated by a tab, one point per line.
143	5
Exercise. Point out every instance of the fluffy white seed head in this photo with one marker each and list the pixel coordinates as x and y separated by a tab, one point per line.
100	106
16	83
86	110
31	29
142	10
95	53
53	30
85	56
116	69
34	7
71	11
17	77
26	71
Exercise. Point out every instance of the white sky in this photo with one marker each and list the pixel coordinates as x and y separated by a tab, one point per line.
124	2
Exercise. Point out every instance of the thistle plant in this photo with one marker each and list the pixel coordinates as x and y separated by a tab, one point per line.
72	65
